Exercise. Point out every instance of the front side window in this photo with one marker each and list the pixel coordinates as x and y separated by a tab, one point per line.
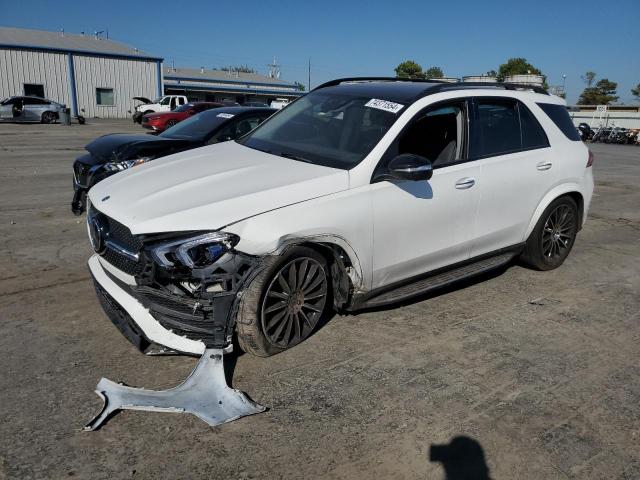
165	101
436	134
334	130
104	96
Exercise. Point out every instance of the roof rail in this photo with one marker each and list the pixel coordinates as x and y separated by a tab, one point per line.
438	85
502	85
338	81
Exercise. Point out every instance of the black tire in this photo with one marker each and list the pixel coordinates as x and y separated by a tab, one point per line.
553	236
170	123
258	328
49	117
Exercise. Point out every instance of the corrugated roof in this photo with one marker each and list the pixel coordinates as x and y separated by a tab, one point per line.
21	37
222	76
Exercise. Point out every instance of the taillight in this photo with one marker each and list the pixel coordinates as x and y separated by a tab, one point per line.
590	161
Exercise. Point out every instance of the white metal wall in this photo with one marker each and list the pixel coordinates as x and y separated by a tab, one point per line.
127	78
18	67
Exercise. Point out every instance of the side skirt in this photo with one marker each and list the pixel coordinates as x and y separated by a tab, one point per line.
436	279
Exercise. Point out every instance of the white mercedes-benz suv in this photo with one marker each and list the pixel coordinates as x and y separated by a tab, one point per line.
364	192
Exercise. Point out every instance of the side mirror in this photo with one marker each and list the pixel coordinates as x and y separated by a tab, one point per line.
410	167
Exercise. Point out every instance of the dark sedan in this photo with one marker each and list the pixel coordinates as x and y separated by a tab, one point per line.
113	153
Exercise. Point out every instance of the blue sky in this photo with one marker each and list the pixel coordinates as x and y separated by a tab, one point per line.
365	38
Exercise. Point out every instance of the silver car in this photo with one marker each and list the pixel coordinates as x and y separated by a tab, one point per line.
30	109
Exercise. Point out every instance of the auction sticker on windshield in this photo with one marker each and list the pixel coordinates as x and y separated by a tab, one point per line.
225	115
384	105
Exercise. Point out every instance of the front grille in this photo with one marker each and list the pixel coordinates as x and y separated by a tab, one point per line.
116	232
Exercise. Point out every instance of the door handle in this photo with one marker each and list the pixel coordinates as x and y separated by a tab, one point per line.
464	183
544	166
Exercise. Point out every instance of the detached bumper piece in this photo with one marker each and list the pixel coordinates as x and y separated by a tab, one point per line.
204	394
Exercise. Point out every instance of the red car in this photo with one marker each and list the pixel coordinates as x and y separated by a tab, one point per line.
160	121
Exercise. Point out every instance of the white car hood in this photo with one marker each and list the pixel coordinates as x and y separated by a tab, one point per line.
210	187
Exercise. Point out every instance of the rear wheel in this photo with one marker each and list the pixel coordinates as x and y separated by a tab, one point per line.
48	117
284	303
553	236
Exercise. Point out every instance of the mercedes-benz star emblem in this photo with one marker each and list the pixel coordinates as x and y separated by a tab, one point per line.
96	235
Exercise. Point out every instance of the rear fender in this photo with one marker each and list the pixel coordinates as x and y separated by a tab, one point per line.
551	195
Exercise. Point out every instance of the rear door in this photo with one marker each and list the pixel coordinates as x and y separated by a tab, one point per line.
517	170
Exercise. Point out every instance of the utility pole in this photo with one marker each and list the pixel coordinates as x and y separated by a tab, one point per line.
309	84
274	69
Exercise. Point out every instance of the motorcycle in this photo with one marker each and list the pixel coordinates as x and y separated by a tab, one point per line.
585	132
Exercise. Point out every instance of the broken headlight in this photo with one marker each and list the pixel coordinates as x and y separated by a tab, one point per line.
125	164
193	252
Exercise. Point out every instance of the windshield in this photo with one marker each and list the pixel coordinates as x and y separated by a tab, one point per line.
197	127
184	108
326	129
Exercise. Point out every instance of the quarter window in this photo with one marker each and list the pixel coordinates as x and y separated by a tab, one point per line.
560	116
104	96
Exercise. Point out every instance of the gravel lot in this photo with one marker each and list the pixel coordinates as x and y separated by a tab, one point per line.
539	368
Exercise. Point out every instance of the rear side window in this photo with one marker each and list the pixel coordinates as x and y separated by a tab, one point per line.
503	126
533	135
560	116
496	129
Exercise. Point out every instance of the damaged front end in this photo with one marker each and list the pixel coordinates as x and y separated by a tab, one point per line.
190	283
180	292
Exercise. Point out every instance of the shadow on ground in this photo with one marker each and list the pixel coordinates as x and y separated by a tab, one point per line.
462	459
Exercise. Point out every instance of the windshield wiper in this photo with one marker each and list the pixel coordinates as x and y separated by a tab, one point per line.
293	156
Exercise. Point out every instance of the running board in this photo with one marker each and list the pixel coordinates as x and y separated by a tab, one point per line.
204	394
437	280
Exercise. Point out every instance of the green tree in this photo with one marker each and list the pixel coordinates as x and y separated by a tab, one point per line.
300	86
516	66
588	78
491	73
409	69
603	93
636	91
433	72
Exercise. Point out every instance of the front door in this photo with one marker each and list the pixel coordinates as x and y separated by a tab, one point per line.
420	226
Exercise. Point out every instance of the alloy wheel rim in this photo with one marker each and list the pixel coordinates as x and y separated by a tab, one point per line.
294	302
558	232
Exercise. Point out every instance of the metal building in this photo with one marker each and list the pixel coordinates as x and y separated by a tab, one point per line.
94	76
218	85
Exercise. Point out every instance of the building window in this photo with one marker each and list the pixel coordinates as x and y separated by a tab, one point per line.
34	90
104	96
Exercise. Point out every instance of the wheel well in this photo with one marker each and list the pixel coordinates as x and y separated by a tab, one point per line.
338	261
577	197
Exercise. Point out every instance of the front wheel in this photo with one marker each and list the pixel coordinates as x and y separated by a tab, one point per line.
553	236
48	117
170	123
284	303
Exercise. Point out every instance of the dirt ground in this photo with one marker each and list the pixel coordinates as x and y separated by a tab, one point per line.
538	370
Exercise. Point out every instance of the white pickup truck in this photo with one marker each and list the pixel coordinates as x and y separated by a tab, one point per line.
165	103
